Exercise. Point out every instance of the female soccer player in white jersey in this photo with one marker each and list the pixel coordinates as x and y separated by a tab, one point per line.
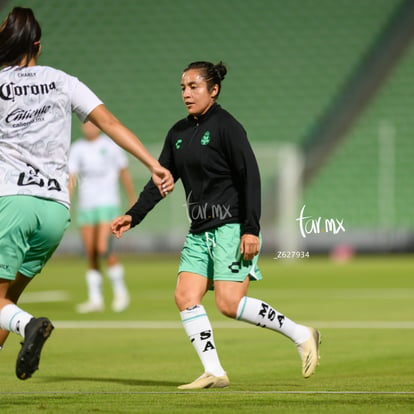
96	162
36	103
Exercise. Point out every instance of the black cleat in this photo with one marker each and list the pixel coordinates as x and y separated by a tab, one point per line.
36	333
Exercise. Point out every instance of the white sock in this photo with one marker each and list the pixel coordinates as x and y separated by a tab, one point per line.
14	319
94	283
259	313
200	332
116	276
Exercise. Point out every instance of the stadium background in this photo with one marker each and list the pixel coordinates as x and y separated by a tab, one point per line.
290	67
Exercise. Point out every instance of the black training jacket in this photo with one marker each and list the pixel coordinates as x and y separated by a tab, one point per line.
214	160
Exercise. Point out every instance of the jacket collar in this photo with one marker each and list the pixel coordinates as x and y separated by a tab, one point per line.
201	118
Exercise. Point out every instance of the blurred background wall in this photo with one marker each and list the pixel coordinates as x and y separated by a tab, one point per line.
324	89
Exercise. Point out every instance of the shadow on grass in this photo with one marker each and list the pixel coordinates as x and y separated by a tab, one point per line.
120	381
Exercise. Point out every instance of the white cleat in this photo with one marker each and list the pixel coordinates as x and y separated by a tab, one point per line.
309	353
206	380
120	303
89	307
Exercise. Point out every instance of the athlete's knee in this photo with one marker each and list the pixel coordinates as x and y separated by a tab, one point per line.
227	306
190	290
102	253
185	299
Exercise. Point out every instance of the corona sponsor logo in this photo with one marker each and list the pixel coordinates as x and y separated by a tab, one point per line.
9	91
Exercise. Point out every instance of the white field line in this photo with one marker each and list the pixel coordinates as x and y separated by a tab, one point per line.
216	392
45	296
59	296
227	324
343	293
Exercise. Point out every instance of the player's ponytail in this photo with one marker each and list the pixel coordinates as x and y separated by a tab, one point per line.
19	37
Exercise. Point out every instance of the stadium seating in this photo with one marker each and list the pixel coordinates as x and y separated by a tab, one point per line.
286	62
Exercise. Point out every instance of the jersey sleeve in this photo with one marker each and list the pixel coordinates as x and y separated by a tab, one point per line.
246	174
84	101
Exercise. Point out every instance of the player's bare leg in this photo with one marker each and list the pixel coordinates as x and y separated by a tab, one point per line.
11	294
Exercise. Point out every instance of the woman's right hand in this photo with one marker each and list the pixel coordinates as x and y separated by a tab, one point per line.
120	225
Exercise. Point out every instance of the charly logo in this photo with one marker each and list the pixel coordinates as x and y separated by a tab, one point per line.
178	143
9	91
205	139
309	225
235	267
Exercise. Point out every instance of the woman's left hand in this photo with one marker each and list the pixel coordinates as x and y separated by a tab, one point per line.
163	179
249	246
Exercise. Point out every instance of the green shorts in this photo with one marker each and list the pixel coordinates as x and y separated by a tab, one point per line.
215	254
31	229
97	215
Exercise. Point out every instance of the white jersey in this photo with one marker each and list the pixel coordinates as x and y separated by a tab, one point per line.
97	165
36	105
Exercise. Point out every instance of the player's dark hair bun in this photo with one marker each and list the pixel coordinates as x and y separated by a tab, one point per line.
221	70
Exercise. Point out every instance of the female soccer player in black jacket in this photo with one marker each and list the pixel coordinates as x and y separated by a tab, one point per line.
210	153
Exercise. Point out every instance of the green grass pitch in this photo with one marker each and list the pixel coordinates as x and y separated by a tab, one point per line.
133	362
